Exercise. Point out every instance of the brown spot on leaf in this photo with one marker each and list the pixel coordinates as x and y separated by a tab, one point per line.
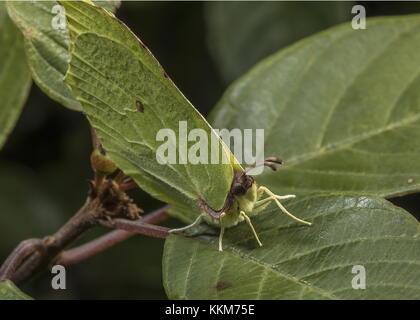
139	106
222	285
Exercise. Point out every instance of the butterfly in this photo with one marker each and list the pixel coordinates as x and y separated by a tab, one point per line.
128	98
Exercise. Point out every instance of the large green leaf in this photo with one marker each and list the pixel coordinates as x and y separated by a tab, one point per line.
242	33
15	78
341	107
47	48
8	291
300	262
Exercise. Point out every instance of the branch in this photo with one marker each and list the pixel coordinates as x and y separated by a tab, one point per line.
105	205
104	201
85	251
52	245
137	227
21	252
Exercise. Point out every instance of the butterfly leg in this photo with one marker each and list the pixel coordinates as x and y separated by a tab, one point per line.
265	201
222	231
248	221
195	223
275	198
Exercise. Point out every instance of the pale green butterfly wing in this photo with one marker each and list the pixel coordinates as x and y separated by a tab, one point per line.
128	98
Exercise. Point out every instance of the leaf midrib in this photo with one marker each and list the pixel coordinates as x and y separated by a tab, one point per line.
342	145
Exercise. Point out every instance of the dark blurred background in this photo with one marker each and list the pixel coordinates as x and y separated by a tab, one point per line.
203	46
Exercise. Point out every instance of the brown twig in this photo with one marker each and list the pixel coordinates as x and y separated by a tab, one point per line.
106	204
100	244
19	254
128	186
87	250
78	224
138	226
106	201
119	178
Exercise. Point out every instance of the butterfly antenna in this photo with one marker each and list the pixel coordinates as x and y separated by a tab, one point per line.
269	162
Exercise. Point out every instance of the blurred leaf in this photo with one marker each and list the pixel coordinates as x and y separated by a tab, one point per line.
300	262
341	107
242	33
27	209
8	291
47	45
15	79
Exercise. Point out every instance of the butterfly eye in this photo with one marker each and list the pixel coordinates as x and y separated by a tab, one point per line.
241	184
238	189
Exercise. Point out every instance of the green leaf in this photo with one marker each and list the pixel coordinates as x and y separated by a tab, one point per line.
8	291
300	262
47	48
342	108
242	33
128	99
110	5
15	79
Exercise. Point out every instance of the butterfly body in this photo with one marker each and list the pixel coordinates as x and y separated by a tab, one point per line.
242	197
242	202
